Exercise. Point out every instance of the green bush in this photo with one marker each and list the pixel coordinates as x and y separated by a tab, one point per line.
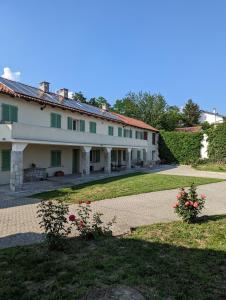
180	147
217	143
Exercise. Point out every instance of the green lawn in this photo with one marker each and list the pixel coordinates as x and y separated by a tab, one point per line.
132	184
211	167
163	261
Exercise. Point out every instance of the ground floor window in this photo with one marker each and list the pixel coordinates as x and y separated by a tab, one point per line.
95	156
55	158
153	155
114	155
6	158
124	155
138	155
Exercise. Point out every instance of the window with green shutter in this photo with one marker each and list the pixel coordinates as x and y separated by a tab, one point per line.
120	131
110	130
6	158
130	133
82	125
113	155
92	127
55	158
138	154
69	123
55	120
9	113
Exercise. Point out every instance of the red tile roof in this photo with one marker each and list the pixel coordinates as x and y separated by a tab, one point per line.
135	122
189	129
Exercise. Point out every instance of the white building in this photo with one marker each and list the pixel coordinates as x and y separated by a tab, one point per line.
42	133
211	117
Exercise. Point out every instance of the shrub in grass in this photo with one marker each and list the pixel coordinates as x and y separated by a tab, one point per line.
189	205
54	220
89	225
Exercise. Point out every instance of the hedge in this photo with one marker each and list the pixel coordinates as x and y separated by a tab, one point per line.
179	147
217	142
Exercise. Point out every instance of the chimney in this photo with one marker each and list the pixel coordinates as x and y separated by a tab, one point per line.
104	106
44	86
63	92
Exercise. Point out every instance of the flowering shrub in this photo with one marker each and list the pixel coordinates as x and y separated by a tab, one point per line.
189	204
53	216
90	226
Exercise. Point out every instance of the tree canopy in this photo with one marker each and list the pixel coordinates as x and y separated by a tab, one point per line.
191	113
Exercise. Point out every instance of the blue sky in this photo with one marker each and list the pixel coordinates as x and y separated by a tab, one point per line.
110	47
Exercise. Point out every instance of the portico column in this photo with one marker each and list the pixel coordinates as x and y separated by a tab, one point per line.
128	158
107	160
86	160
16	168
145	158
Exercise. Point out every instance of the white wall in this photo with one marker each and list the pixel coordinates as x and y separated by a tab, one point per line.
210	118
4	176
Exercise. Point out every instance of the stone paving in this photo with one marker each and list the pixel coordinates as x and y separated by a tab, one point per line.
19	224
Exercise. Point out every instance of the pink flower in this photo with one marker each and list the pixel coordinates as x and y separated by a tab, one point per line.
72	218
191	203
196	204
187	203
176	204
88	202
203	196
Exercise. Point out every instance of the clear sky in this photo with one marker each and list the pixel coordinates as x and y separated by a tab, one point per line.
110	47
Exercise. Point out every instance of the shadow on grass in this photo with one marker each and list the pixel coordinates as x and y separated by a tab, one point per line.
157	269
206	218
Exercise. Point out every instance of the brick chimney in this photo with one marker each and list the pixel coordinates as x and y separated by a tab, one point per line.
44	86
63	92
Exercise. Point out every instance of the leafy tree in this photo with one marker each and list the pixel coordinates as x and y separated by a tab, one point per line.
127	106
79	97
98	102
191	113
172	118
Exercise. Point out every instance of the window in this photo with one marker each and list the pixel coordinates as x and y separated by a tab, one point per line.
55	158
95	156
153	138
145	135
9	113
78	125
113	155
120	131
153	155
124	155
138	155
6	157
55	120
139	135
92	127
110	130
128	133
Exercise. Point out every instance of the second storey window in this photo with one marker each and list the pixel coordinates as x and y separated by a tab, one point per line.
9	113
93	127
120	131
78	125
55	120
110	130
153	138
6	157
55	158
128	133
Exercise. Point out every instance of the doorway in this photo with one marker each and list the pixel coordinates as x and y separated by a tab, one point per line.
75	161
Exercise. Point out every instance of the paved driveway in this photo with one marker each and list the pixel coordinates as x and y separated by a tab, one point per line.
19	225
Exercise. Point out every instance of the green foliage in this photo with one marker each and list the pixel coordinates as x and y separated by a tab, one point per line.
79	97
189	205
191	113
217	142
171	119
99	102
53	215
179	147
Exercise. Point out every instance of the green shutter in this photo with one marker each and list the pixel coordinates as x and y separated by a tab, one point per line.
55	158
82	125
14	113
120	131
110	130
58	121
69	123
92	127
131	133
9	113
55	120
97	156
124	132
6	158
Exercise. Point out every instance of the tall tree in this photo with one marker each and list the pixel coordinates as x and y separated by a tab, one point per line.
99	102
172	118
127	106
191	113
79	97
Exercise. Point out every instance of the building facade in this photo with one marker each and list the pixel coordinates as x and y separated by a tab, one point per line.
211	117
43	133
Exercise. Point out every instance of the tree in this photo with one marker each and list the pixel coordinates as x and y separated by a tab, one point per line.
172	118
99	102
127	106
191	113
79	97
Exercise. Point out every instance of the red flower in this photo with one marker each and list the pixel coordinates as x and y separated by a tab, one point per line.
72	218
196	204
88	202
178	196
187	203
191	203
203	196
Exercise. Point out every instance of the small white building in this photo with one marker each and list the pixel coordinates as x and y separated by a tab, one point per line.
211	117
42	133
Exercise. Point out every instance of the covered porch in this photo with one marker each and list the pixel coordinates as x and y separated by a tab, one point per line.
30	162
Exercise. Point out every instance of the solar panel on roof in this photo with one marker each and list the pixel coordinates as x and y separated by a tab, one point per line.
54	98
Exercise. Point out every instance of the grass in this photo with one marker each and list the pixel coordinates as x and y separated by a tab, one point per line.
214	167
132	184
163	261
